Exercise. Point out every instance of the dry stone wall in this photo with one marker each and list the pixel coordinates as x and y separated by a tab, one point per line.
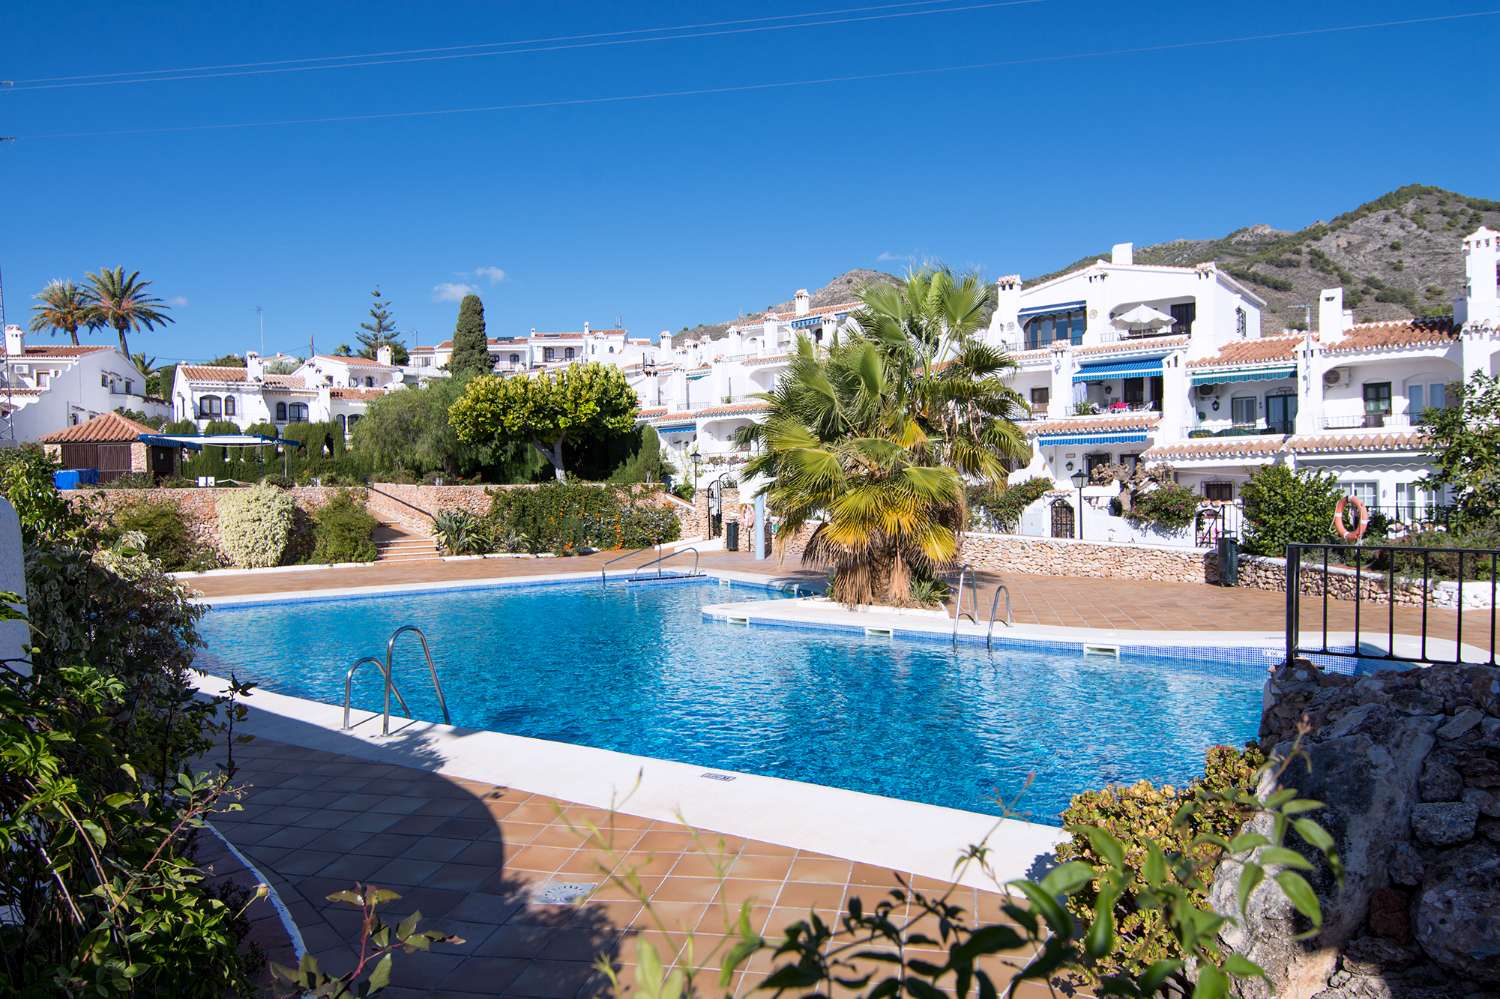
200	507
1261	573
1408	766
1096	559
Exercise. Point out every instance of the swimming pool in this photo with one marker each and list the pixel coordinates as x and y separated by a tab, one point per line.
636	668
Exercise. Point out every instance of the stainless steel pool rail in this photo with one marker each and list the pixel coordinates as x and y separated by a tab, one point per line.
657	562
989	634
964	573
390	680
604	569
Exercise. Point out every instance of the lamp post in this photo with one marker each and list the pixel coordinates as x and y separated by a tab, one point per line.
697	458
1080	479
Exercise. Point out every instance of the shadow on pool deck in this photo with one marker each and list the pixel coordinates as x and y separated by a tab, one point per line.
469	856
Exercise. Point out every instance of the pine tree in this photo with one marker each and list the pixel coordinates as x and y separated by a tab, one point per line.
380	331
471	350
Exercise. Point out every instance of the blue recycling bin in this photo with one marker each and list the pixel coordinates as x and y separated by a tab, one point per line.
75	478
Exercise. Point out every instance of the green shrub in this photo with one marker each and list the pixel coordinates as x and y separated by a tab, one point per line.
646	524
1284	507
1143	813
569	517
166	533
1169	507
460	532
255	526
1000	510
342	530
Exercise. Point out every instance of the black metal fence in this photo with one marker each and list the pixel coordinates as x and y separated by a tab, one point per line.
1427	588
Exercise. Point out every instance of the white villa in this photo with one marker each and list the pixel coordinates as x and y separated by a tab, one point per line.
45	388
541	351
324	388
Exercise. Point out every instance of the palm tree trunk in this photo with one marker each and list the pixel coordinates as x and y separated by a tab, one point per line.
73	334
124	344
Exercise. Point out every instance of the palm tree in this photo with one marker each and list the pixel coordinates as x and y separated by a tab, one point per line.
64	307
876	436
123	303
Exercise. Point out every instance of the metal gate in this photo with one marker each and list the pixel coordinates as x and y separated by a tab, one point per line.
716	508
1062	519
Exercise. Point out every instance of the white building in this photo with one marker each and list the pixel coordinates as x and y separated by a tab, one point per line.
324	388
545	351
45	388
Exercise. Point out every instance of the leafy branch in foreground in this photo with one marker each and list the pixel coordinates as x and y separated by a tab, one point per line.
377	943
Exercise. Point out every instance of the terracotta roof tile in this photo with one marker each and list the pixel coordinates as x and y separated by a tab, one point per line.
1031	356
356	393
1259	445
1333	443
731	409
103	429
212	373
1264	350
63	351
1135	344
359	362
1398	334
1096	424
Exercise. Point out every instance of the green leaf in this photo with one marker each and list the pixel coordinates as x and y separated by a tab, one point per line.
1250	877
1068	878
1156	865
1313	834
1212	983
1280	856
648	967
407	926
1153	977
1301	895
1245	842
95	833
119	799
736	957
1100	938
1300	805
1106	845
1056	916
381	976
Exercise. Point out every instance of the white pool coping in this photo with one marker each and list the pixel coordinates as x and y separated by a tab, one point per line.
902	835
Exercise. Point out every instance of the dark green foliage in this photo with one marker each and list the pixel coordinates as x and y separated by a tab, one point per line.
1168	507
1000	510
567	518
406	436
166	534
227	361
1144	814
460	532
1464	440
154	422
645	461
471	348
380	331
343	529
1284	507
1263	279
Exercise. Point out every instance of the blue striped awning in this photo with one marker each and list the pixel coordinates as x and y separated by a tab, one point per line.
807	321
1261	375
1106	437
677	428
1045	310
1143	367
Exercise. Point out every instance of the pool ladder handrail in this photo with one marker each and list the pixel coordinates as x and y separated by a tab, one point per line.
657	562
989	634
964	573
390	681
604	569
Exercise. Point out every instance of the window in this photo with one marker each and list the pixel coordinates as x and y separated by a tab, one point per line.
103	380
1183	316
353	419
515	359
1043	330
568	354
1039	399
1367	493
369	381
1135	391
1243	409
1241	327
1413	503
343	427
281	412
129	387
1377	403
548	353
42	377
297	412
1219	492
210	407
229	405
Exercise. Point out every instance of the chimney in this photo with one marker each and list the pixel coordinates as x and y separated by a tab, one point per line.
585	328
1122	254
664	342
255	370
384	354
1481	293
1005	326
15	341
1332	319
804	301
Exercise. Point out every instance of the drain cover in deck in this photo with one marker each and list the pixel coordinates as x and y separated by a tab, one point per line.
562	892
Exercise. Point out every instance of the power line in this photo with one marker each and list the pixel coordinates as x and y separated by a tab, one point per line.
529	49
777	85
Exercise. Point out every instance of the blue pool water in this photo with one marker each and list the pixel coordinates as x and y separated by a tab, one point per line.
637	669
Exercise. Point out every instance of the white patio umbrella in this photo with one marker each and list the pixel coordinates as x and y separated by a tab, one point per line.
1143	317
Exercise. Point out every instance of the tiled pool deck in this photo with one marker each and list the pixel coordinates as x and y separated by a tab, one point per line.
469	855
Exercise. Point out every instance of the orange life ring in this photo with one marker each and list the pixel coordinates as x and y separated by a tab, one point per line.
1362	515
747	515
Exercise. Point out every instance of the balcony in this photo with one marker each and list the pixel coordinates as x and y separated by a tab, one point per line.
1366	421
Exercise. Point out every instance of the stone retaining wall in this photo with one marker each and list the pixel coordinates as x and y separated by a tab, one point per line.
1408	766
1262	573
200	507
1095	559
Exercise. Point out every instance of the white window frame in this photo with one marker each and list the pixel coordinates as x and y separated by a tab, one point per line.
1234	403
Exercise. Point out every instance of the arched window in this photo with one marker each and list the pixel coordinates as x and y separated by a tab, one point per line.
343	427
369	381
229	405
297	412
568	354
353	419
210	407
515	359
281	412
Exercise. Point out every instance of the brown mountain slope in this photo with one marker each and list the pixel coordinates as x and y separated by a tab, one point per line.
1396	257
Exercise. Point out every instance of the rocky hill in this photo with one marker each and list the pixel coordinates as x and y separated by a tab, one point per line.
841	289
1396	257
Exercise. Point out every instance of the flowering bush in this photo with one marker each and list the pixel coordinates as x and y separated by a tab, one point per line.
255	526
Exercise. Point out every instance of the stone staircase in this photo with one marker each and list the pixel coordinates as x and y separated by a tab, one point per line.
398	543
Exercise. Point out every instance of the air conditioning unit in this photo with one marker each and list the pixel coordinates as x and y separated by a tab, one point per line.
1207	390
1335	377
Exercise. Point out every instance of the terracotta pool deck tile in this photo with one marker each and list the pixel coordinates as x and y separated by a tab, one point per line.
403	872
666	841
540	858
760	868
550	979
819	869
677	889
483	975
805	895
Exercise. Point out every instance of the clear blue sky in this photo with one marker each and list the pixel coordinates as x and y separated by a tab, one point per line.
682	209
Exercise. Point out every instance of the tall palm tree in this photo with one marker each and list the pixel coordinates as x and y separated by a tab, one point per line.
64	307
876	436
122	302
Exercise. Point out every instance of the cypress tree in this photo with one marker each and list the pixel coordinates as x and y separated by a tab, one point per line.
471	348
